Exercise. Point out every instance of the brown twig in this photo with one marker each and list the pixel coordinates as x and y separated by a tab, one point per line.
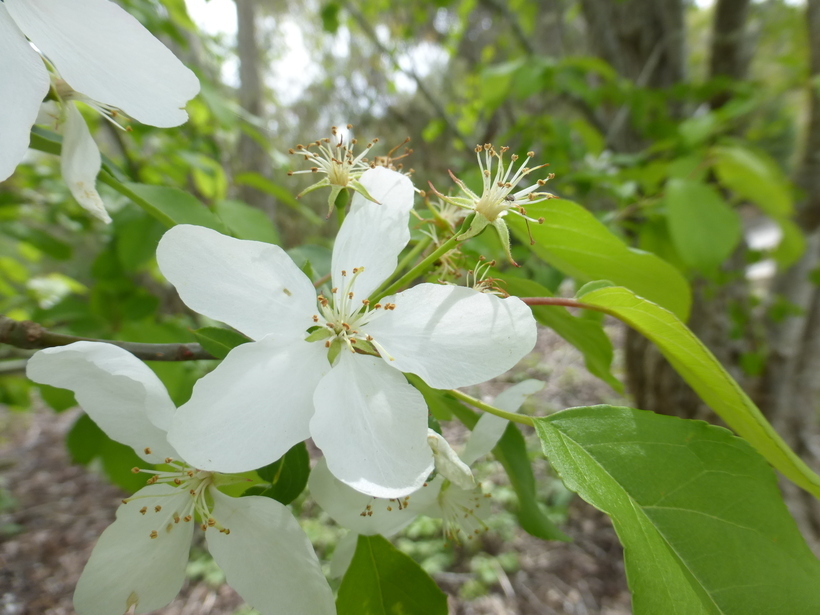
31	335
534	301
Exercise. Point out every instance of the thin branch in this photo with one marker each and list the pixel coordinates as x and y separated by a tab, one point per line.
533	301
434	102
31	335
503	9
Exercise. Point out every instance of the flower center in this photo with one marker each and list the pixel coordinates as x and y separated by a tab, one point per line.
334	156
187	479
343	318
497	197
462	511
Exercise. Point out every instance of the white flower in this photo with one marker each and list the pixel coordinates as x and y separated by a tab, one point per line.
334	157
497	198
452	495
281	389
140	559
96	48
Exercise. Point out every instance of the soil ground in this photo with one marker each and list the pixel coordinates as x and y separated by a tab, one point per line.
52	511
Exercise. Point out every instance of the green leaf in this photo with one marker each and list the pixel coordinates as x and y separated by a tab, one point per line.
440	404
704	229
288	475
511	452
282	195
754	177
330	17
168	205
791	246
381	580
574	242
43	241
57	399
85	440
704	373
698	511
496	82
219	342
586	335
246	222
137	237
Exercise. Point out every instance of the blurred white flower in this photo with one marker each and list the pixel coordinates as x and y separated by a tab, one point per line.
96	53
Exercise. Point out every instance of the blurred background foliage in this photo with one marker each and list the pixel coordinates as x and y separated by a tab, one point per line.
689	128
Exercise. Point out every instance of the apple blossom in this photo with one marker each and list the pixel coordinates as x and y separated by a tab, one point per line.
140	560
334	157
497	198
98	54
452	495
333	373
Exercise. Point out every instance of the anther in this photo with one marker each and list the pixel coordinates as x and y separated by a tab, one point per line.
143	510
157	508
153	534
147	450
135	470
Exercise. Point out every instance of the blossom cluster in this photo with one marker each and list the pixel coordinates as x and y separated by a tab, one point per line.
326	360
327	365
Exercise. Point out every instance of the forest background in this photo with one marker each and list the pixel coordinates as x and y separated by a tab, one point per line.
692	130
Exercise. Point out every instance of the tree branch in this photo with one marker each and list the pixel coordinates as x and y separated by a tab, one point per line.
560	301
808	212
31	335
434	102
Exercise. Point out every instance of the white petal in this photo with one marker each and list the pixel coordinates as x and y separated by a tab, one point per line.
106	54
117	390
267	558
362	513
252	286
252	408
80	163
372	427
127	566
23	83
50	114
343	555
453	336
374	234
489	429
447	462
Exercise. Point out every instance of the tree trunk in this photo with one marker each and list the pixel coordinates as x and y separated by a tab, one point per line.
252	156
792	379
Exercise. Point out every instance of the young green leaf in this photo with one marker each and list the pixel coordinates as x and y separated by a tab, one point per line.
288	475
697	509
704	373
381	580
168	205
704	229
246	222
753	176
574	242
